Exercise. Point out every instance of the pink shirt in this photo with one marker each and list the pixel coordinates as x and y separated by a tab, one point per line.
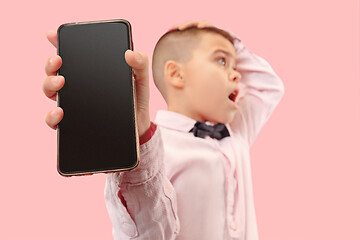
192	188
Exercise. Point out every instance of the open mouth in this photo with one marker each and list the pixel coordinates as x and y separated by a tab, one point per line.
233	95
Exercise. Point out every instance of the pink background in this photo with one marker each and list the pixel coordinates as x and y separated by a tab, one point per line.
305	162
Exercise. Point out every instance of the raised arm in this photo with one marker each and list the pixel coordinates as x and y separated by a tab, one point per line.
262	91
142	203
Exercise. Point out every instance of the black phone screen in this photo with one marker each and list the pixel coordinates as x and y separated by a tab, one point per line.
98	129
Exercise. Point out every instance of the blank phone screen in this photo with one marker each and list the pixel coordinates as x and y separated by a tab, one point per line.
97	132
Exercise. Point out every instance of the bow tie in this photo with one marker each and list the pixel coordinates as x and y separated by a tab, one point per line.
217	131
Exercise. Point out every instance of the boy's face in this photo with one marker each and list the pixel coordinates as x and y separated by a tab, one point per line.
210	79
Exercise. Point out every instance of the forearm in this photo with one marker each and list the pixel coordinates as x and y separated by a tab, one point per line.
150	200
256	73
261	90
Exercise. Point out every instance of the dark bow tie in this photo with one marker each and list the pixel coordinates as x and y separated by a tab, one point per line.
217	131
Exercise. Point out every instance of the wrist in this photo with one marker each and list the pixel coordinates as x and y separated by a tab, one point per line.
143	122
148	134
143	129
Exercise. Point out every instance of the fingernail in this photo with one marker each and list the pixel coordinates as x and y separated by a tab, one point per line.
54	113
138	57
56	80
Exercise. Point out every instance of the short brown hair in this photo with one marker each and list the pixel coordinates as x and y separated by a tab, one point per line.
178	45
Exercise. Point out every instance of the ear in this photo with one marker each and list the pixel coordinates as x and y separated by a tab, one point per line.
174	74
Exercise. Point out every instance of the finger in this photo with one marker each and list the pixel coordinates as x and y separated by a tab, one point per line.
53	117
52	65
203	24
188	24
182	25
139	63
52	37
51	85
174	27
199	24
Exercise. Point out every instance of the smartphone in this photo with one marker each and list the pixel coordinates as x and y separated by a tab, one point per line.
98	132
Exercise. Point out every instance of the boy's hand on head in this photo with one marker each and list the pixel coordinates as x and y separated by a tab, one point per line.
198	24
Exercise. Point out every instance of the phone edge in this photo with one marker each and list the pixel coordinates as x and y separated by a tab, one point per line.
134	104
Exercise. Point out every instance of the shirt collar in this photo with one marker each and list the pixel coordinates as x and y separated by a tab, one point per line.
174	120
177	121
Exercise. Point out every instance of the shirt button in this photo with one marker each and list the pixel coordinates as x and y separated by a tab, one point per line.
233	226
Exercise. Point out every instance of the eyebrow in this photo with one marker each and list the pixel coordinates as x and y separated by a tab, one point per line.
225	52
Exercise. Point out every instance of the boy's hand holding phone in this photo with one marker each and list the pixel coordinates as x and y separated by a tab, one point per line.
97	106
138	61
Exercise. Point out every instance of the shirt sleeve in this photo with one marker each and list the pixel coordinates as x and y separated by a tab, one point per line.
260	92
148	134
142	203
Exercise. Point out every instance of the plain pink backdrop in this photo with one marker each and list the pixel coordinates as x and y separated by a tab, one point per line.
305	162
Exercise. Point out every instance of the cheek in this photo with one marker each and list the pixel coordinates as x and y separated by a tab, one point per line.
216	85
206	83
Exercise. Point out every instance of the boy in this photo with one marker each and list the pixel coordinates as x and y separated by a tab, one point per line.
194	180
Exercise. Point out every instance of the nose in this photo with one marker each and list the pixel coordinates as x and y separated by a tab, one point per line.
235	75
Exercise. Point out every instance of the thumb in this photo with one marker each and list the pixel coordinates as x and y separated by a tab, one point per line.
139	63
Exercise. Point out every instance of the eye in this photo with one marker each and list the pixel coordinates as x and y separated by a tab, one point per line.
222	61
